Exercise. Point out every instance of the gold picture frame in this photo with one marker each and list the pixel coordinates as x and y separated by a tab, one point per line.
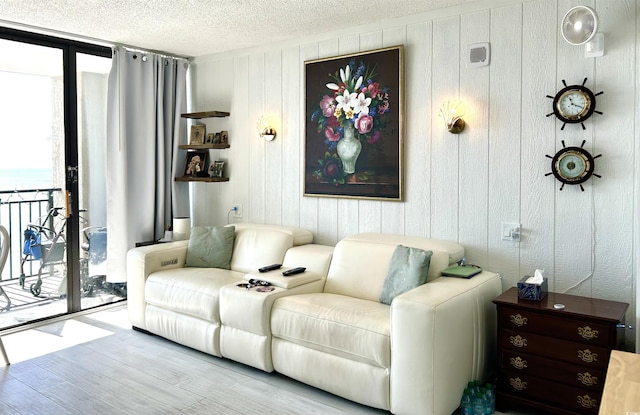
354	106
197	134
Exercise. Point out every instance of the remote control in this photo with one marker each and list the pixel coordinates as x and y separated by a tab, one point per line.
269	268
293	271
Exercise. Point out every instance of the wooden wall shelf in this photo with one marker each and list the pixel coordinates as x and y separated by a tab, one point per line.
203	146
201	179
209	146
205	114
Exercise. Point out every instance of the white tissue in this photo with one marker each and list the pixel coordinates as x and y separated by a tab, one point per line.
537	278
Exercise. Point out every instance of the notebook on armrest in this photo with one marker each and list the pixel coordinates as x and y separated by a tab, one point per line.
462	271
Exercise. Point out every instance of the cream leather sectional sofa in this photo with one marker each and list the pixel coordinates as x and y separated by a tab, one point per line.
326	327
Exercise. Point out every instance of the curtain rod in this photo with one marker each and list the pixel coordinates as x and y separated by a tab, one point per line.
86	39
159	53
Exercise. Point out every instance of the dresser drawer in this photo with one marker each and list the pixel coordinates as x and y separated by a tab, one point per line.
530	387
576	353
557	326
554	370
555	360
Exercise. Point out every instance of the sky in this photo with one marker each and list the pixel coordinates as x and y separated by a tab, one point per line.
25	121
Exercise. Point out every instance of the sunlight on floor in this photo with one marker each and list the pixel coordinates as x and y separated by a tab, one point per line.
32	343
116	316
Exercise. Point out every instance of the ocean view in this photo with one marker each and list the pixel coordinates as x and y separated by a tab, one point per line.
23	179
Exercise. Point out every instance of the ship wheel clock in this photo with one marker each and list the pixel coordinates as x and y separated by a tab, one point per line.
574	104
573	165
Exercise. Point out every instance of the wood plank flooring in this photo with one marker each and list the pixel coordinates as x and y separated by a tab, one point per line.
95	364
128	372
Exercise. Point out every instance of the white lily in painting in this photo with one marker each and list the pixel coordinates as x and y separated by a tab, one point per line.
345	74
346	101
362	104
347	82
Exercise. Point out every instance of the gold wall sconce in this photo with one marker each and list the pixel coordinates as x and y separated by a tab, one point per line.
265	130
452	112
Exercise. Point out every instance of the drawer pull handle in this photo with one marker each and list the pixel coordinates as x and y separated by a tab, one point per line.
517	384
518	320
587	356
587	379
518	341
518	362
587	333
587	401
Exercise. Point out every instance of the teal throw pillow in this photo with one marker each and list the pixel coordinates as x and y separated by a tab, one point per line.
211	247
408	269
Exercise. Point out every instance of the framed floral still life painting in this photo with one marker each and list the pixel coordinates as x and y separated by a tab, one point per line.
354	125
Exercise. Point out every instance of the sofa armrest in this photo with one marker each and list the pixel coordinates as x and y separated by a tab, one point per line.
143	261
442	336
313	257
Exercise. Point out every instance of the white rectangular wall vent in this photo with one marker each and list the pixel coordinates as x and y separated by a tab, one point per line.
478	54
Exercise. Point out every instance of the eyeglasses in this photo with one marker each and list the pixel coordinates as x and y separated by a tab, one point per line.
254	283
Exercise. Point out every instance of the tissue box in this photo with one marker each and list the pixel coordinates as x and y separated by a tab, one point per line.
534	292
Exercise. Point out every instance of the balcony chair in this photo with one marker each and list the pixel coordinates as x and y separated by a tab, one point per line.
4	252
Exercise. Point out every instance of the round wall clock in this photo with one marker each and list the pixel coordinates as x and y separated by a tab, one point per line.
574	104
573	165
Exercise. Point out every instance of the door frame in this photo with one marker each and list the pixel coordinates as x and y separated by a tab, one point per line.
70	49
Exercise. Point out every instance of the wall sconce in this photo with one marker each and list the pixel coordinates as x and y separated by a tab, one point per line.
265	130
452	112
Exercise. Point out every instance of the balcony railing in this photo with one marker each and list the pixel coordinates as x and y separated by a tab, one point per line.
18	208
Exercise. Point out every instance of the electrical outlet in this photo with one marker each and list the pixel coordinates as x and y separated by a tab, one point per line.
511	232
237	211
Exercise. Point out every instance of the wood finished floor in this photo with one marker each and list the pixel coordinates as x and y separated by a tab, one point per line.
95	364
128	372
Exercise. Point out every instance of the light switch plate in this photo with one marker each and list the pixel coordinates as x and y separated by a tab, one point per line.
510	231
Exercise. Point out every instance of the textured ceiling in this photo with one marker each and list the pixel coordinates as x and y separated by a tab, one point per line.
200	27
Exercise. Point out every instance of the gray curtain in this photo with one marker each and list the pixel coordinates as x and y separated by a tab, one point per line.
146	95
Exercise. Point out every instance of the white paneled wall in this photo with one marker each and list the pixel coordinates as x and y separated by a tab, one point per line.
456	187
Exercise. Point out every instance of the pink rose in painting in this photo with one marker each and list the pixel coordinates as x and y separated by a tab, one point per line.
331	135
328	106
364	124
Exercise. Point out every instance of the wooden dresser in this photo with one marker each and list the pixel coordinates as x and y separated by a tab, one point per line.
551	359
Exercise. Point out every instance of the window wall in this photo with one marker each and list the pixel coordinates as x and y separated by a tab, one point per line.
52	177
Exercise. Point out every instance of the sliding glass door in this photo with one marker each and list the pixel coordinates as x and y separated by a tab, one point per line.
96	286
52	167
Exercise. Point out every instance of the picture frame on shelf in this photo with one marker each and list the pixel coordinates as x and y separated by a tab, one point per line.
197	134
355	153
210	138
195	164
216	169
216	140
224	137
